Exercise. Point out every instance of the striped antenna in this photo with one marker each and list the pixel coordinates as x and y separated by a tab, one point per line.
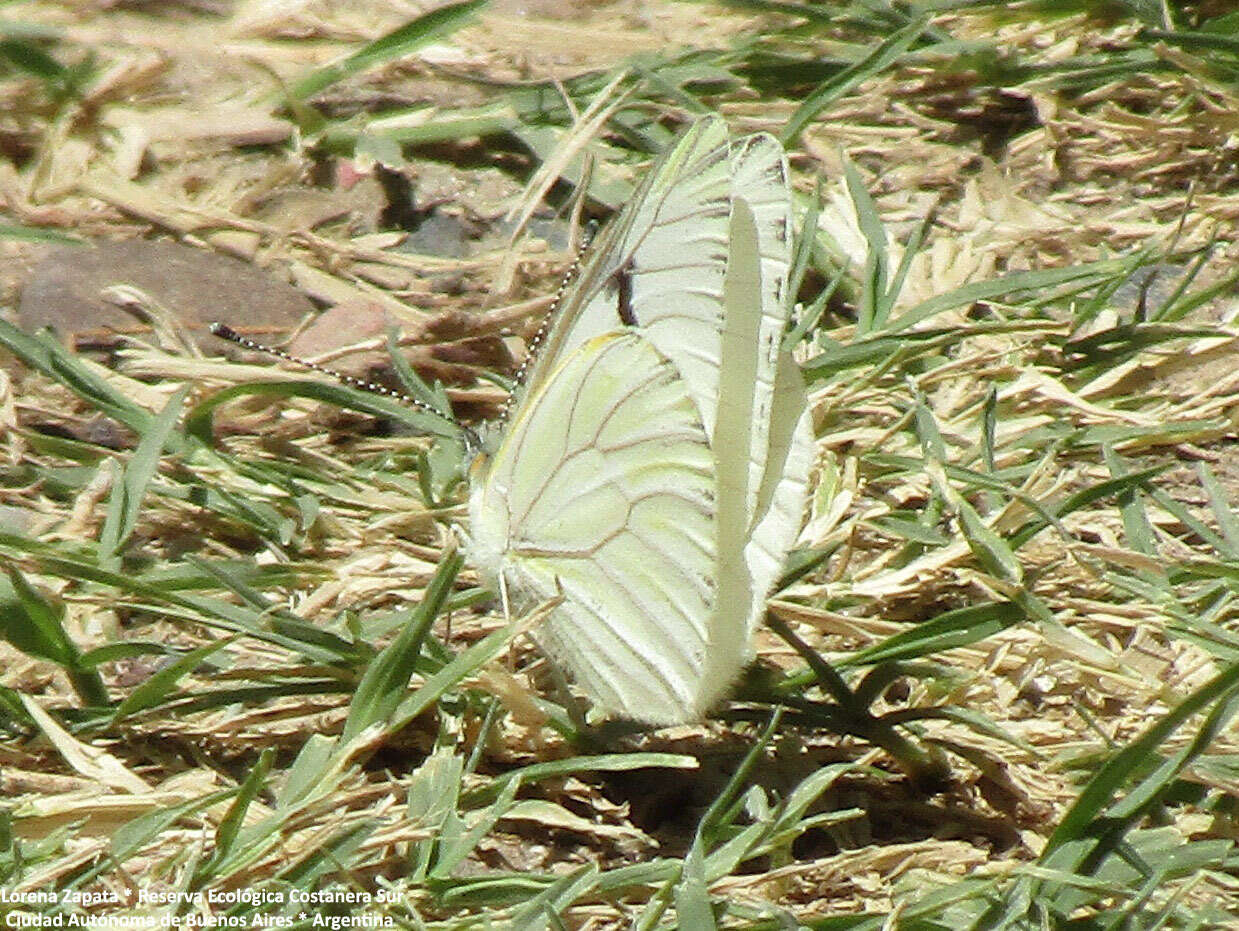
223	331
539	337
472	440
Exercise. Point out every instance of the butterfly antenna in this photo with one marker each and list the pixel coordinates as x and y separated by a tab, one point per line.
223	331
539	338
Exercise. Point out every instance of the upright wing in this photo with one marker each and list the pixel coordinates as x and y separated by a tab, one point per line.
763	438
603	492
659	265
662	267
782	449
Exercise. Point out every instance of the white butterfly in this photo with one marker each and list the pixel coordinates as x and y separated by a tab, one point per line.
654	470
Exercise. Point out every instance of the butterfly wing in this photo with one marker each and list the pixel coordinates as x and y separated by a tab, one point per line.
659	263
781	442
762	440
603	493
658	613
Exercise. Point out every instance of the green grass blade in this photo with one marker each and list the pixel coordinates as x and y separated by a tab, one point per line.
129	491
1008	285
1079	500
44	354
132	836
464	664
32	623
458	841
155	689
1222	512
882	57
35	626
547	905
127	649
1193	523
710	822
802	255
947	631
1077	824
230	825
31	59
405	40
434	796
16	231
874	278
310	767
328	858
576	765
813	314
198	420
990	549
385	680
1138	529
692	896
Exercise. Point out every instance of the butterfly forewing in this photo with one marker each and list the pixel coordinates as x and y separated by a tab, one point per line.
790	455
665	254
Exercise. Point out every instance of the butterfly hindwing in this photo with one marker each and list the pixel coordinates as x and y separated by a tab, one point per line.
603	495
